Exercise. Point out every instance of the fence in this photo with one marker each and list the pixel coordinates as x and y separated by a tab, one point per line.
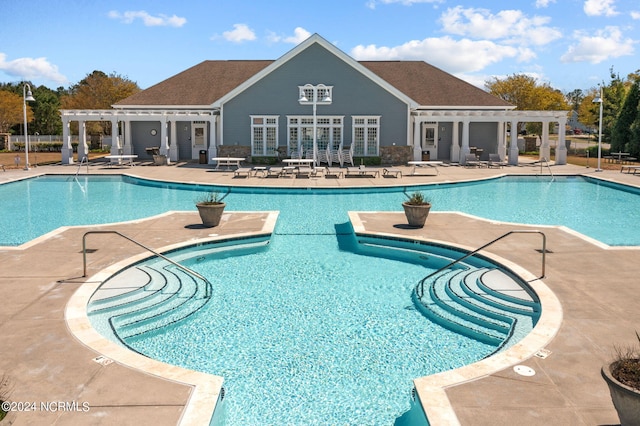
53	143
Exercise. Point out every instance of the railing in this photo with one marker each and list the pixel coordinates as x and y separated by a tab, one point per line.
420	286
83	160
546	162
173	262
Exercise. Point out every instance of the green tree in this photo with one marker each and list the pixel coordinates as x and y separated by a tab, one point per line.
574	98
621	133
98	91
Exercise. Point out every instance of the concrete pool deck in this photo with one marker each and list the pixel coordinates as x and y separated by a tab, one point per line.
44	362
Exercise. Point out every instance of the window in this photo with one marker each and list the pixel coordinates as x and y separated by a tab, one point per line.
366	135
264	135
329	130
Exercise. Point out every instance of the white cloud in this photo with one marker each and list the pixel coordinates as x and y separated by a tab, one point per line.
31	69
371	4
599	8
605	44
299	35
240	33
635	14
543	3
470	56
510	26
148	20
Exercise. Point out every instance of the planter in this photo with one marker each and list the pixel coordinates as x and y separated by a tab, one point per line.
625	398
416	214
210	213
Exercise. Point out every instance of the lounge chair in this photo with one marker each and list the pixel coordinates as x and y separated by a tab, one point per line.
333	156
388	171
304	171
495	161
274	171
630	169
334	171
243	171
362	171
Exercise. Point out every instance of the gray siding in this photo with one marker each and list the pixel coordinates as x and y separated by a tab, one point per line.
277	94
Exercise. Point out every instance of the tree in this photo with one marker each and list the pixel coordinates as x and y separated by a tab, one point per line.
621	134
574	98
527	94
98	91
11	111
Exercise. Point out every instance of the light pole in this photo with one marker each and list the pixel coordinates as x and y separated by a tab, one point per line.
600	100
315	95
26	96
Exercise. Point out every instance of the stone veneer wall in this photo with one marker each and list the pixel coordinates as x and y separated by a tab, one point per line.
396	155
233	151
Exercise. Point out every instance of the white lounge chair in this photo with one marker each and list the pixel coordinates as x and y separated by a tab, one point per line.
470	160
243	171
346	156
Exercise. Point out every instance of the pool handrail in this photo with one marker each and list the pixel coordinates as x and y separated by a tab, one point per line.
420	287
173	262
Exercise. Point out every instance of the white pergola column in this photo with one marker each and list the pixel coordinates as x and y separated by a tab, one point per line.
83	149
455	142
164	137
67	147
464	150
213	138
502	140
126	146
417	146
561	147
172	154
115	137
545	148
513	148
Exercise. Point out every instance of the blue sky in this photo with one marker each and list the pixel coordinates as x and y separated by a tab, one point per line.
570	44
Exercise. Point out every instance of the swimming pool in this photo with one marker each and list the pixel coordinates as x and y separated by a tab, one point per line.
604	211
308	329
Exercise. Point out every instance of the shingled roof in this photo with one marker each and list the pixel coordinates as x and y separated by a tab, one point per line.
205	83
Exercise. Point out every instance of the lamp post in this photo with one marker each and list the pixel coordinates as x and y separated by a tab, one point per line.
600	100
315	95
26	96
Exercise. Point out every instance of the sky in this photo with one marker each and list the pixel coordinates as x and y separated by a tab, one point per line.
569	44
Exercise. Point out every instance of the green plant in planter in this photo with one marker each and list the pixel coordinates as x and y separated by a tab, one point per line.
210	207
212	197
623	378
417	199
416	209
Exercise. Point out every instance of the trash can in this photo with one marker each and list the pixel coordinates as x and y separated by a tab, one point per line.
426	155
203	156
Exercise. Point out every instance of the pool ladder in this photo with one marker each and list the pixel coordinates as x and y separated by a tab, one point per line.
544	161
83	160
173	262
420	286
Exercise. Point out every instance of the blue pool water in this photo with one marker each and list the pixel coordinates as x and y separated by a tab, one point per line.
311	332
606	212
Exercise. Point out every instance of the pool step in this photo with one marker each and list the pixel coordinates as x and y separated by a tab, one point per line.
482	303
167	295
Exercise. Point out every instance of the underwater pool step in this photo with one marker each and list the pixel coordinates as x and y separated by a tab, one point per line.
163	287
449	301
182	303
474	287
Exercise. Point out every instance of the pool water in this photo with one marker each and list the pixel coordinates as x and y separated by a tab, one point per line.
311	332
606	212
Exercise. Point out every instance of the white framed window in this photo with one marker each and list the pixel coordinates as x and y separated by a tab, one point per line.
264	135
329	130
366	135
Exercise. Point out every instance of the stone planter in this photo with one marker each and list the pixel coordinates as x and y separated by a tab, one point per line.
625	398
416	214
210	214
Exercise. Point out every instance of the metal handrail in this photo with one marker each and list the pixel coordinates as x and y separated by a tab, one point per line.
84	159
545	161
173	262
420	286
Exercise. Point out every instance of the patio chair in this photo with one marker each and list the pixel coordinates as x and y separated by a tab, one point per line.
243	171
470	160
495	161
333	156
